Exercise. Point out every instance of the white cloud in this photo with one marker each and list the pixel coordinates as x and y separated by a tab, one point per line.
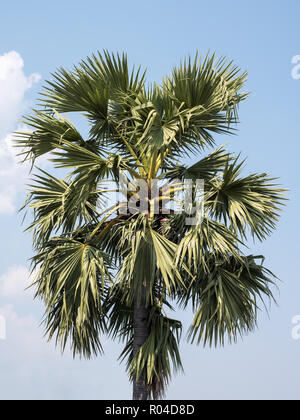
14	282
13	86
13	175
11	165
7	200
26	322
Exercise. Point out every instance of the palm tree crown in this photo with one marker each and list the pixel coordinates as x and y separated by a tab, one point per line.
103	270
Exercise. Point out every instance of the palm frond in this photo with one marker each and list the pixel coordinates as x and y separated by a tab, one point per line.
147	256
49	130
250	202
71	280
206	168
225	296
60	205
206	237
90	87
158	356
206	94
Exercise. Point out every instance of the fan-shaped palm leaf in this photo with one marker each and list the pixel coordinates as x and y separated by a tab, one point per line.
71	280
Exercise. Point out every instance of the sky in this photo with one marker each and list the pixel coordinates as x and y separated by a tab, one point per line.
261	37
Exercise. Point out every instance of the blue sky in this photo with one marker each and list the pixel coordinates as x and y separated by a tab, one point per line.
262	38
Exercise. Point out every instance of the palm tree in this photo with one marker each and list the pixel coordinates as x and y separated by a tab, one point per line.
106	270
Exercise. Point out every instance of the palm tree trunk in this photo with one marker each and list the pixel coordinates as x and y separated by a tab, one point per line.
141	332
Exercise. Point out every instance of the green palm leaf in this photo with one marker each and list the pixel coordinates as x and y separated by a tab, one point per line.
71	280
58	204
225	298
246	202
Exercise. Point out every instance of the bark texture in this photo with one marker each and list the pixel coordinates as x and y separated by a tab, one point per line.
141	333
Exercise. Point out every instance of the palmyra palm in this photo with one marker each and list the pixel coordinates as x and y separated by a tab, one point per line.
103	270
